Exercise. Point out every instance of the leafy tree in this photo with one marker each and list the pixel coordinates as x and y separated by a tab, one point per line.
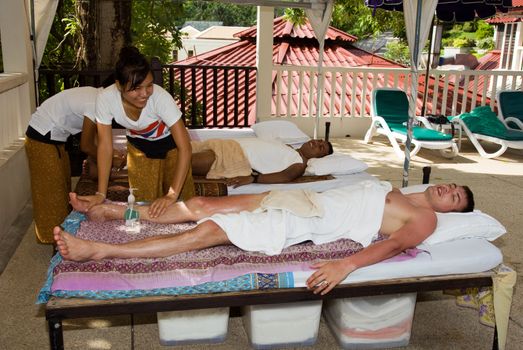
486	44
229	14
60	48
484	31
153	27
398	51
353	17
295	16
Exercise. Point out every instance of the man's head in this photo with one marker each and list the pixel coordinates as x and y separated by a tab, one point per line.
316	149
450	197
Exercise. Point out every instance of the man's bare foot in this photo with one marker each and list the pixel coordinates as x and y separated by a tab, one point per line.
77	203
76	249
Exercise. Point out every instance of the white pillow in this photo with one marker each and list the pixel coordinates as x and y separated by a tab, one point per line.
453	226
280	130
335	164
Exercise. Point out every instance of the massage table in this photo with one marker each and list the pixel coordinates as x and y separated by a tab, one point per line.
440	267
457	264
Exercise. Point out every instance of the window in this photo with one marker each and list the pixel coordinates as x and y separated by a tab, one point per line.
175	55
190	53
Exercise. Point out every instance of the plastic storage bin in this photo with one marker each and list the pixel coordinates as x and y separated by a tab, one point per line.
371	322
193	326
278	325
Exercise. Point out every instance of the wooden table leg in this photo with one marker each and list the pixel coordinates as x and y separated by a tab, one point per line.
56	336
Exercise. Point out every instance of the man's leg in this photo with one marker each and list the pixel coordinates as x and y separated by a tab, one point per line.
194	209
207	234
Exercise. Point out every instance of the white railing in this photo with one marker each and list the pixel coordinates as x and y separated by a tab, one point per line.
348	90
14	108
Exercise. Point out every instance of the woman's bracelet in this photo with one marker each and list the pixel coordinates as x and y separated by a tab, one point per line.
100	193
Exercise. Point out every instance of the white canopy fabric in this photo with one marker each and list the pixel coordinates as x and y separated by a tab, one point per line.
417	28
44	12
319	18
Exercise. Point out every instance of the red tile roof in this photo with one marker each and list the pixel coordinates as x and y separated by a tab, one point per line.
513	15
283	29
292	46
490	61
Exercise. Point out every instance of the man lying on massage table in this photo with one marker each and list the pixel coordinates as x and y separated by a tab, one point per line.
274	162
269	222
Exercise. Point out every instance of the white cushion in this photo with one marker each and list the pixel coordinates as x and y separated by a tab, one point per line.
453	226
335	164
280	130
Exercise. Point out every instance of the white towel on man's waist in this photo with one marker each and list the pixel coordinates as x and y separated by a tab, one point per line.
354	212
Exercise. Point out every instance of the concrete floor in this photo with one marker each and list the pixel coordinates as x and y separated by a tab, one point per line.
438	323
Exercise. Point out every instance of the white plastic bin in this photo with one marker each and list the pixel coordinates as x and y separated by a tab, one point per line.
193	326
371	322
279	325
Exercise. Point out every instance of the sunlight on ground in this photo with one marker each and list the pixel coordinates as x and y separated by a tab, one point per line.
99	344
379	154
99	323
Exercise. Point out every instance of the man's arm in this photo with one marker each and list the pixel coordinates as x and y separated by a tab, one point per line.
413	232
287	175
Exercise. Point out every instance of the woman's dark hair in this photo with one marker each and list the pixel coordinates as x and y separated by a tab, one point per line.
132	68
470	200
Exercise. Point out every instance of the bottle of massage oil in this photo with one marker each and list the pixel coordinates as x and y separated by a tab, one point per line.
131	216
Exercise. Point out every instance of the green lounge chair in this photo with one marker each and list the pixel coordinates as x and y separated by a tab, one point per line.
390	112
482	124
510	106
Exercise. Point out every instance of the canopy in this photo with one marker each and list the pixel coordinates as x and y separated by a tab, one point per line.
452	10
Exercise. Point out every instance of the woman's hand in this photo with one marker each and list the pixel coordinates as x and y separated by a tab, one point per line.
239	181
328	274
84	203
160	205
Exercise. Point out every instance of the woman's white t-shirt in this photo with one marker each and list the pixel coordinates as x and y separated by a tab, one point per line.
63	114
158	115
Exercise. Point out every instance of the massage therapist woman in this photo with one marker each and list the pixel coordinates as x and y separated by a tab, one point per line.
67	113
158	147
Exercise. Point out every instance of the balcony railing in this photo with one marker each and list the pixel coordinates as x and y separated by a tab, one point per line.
224	96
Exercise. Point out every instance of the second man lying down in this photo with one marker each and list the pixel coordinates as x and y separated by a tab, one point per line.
270	161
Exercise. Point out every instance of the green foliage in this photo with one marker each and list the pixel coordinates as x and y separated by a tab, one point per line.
62	42
353	17
486	44
484	31
447	42
229	14
295	16
153	29
463	42
469	26
398	51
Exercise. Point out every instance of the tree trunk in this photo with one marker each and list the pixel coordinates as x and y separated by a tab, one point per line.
106	28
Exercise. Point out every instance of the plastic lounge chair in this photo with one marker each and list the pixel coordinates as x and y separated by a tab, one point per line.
483	124
510	106
390	112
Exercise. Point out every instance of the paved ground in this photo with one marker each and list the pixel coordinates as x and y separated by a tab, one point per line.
438	323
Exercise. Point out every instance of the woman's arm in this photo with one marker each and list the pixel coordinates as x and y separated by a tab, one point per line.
183	161
88	139
104	159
